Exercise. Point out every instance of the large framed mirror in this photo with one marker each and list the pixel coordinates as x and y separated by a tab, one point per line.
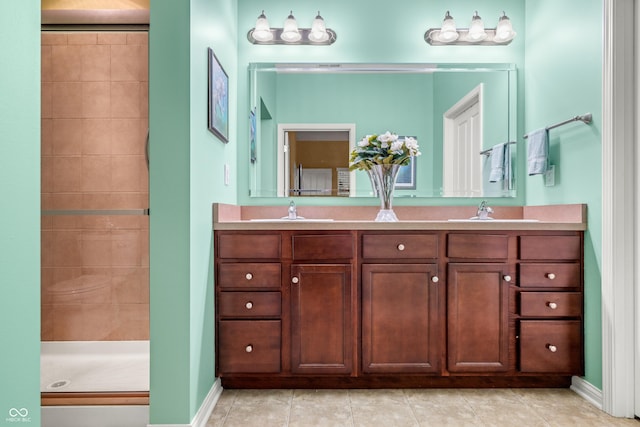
306	118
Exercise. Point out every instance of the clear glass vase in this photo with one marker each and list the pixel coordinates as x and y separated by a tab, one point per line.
383	180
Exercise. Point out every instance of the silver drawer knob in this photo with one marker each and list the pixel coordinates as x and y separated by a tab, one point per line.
248	348
552	305
435	279
249	305
551	276
401	247
295	280
249	276
552	348
507	278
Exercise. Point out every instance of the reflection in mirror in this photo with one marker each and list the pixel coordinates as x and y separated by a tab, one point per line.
313	159
455	112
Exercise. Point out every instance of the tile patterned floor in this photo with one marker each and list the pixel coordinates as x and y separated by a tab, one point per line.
409	407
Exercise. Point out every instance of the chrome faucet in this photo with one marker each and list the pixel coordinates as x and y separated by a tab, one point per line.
483	211
293	212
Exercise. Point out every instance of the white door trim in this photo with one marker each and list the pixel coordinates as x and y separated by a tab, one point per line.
618	208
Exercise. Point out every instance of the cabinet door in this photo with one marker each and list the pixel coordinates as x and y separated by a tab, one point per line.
478	317
400	318
321	319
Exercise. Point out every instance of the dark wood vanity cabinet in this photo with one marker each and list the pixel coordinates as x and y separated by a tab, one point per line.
321	298
551	300
401	318
410	308
478	280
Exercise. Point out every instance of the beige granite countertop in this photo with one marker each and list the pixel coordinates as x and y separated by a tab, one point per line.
571	217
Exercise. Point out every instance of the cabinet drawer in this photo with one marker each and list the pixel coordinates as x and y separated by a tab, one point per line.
319	247
401	246
550	275
258	246
551	346
247	275
551	304
550	247
478	246
249	304
249	346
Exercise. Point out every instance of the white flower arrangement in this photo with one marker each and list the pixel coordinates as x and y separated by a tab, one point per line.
383	149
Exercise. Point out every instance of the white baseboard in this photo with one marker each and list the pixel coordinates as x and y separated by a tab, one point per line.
587	391
203	414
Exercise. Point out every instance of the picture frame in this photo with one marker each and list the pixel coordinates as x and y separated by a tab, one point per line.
407	175
218	91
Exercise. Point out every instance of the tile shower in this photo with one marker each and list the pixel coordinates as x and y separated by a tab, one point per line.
95	262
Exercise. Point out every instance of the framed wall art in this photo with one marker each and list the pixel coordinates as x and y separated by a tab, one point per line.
218	98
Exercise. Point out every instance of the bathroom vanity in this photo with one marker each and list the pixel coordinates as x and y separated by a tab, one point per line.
418	303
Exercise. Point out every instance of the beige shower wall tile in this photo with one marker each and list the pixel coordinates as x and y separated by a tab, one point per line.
141	37
66	63
144	100
96	173
96	136
96	99
125	248
46	322
66	201
131	322
126	173
96	63
53	38
112	38
46	73
97	200
46	100
86	38
125	99
129	200
46	174
128	136
67	174
67	248
66	100
67	137
128	62
46	137
130	285
96	249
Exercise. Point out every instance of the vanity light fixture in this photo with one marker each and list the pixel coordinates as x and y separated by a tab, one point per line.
318	34
476	34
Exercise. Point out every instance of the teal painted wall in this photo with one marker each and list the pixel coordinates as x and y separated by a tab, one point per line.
20	215
374	32
186	177
562	82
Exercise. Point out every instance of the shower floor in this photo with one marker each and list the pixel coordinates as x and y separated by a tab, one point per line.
94	366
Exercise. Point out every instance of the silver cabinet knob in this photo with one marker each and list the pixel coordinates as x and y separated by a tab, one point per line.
507	278
294	280
248	348
552	348
551	276
435	279
401	247
249	305
248	276
552	305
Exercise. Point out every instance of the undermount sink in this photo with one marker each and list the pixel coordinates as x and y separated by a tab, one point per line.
494	220
286	219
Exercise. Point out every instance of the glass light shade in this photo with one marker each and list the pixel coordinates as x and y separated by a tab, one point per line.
290	33
318	30
262	31
448	32
504	30
476	29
